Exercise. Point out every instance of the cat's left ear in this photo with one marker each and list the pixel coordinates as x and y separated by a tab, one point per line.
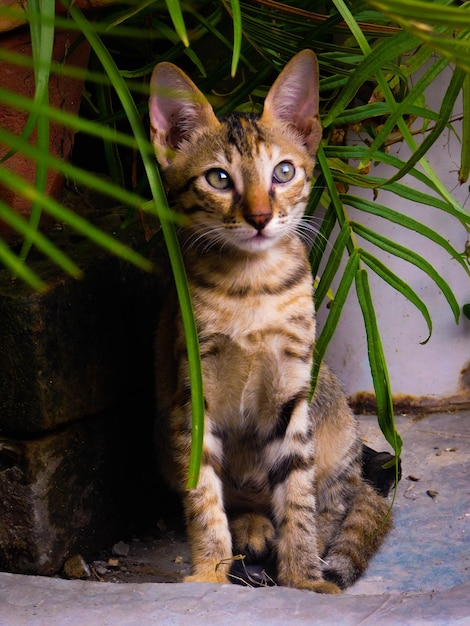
177	110
293	98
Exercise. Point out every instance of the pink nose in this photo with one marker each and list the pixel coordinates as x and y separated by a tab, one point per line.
258	220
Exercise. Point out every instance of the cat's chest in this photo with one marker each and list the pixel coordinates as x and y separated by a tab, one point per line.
249	304
256	325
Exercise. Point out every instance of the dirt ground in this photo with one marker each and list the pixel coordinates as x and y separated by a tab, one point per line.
162	559
149	559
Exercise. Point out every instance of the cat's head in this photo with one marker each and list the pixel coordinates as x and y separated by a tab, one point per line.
242	181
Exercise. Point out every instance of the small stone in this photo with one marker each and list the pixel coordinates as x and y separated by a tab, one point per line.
76	567
100	567
113	562
179	560
101	571
432	494
121	549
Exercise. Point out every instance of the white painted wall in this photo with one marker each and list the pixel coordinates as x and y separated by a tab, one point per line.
432	370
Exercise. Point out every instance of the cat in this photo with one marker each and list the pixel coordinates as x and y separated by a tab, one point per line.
278	475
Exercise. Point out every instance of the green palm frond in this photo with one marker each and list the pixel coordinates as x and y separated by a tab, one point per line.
377	60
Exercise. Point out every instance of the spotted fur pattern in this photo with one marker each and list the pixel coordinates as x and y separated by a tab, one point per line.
277	474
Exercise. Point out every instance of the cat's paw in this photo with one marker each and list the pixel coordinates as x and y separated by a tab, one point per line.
318	585
253	535
207	577
321	586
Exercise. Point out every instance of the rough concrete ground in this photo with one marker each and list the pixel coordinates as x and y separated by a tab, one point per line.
420	576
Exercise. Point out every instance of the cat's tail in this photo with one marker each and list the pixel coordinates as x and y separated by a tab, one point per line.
362	531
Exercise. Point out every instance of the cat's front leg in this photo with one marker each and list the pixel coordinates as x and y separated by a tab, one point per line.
208	530
292	481
298	557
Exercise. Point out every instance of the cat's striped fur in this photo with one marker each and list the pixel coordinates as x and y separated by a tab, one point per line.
277	474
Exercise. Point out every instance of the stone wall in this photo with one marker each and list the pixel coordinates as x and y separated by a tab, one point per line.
76	404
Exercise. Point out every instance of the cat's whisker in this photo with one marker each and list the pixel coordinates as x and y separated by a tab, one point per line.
311	221
205	238
310	232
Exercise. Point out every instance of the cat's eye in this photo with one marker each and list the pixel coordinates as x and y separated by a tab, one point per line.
283	172
219	179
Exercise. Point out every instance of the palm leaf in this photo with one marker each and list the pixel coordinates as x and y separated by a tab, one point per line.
62	214
407	222
411	257
176	14
416	17
357	46
19	269
169	233
333	318
378	366
465	153
332	265
400	285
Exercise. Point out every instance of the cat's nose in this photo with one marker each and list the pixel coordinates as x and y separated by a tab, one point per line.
258	220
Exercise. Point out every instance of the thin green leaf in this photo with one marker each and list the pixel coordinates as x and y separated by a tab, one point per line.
62	214
411	257
19	268
77	174
210	24
237	35
67	119
407	222
455	50
321	241
42	38
400	285
464	170
332	265
336	155
378	366
176	14
353	25
127	13
385	51
169	233
420	11
21	226
42	41
333	318
403	108
331	185
410	193
447	106
381	109
390	99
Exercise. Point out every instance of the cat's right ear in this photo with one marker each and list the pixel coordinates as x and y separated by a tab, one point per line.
293	99
177	110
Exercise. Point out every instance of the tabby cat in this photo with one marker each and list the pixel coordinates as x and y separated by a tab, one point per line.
277	474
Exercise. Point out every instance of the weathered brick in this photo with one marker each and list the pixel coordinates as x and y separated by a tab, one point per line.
76	406
78	348
64	93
